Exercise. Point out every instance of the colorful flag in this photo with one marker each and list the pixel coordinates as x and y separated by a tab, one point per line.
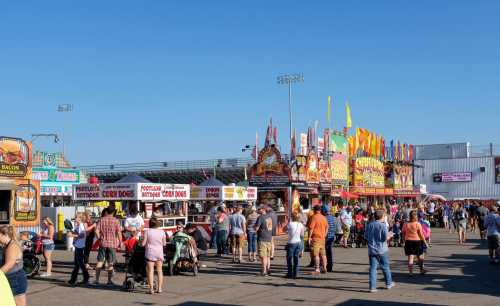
275	135
348	119
293	151
412	148
391	150
326	136
269	133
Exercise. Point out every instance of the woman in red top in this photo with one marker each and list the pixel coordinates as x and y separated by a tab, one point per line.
414	242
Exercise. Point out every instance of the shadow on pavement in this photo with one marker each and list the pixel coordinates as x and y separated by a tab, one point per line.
203	304
360	302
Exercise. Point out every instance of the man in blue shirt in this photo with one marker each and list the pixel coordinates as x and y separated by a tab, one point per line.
330	237
377	235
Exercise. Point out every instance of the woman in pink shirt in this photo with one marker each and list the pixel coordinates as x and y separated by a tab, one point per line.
154	241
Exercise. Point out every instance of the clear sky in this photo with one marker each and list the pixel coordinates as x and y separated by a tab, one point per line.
177	80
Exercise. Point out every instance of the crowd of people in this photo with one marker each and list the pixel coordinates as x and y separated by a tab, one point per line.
325	226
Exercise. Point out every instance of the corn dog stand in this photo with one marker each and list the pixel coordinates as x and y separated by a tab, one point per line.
167	201
211	193
19	194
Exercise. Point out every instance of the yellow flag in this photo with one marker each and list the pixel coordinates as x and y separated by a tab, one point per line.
348	120
329	110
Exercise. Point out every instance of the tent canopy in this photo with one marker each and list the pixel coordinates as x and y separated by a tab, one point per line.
133	178
212	181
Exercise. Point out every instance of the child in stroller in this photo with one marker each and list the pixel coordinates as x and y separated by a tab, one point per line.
32	246
397	239
181	254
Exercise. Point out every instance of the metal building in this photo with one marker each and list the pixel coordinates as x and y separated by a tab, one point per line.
482	177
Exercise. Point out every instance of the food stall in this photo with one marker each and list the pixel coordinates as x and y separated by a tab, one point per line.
368	181
167	201
56	185
19	193
399	176
211	193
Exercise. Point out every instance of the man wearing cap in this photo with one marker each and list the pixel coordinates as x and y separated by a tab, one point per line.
318	228
264	227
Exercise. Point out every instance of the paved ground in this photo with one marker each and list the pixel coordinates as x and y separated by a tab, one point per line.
458	275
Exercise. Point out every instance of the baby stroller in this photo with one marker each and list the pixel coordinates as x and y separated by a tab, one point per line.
135	269
181	254
32	247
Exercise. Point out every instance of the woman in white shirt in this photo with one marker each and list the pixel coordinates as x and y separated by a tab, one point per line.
294	246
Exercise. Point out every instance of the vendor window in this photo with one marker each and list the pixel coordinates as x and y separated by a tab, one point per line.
5	197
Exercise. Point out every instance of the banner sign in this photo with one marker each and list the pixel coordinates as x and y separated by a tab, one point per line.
26	204
303	143
399	177
449	177
339	160
15	158
223	193
372	191
56	190
163	192
298	170
56	175
497	170
368	172
312	169
131	192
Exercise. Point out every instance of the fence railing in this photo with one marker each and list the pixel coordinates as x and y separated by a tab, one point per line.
170	166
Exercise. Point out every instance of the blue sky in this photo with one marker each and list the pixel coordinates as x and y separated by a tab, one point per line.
176	80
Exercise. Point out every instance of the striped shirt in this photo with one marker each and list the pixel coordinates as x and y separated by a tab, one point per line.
331	227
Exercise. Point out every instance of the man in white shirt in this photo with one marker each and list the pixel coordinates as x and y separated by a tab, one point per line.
134	223
492	225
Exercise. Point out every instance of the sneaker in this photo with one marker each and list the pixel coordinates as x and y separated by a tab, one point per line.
45	275
373	290
71	284
391	285
110	284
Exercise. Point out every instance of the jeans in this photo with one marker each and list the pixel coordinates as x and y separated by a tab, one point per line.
329	253
79	264
213	238
252	242
221	242
292	258
383	261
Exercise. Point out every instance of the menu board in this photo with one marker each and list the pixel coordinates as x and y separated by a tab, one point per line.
15	158
368	172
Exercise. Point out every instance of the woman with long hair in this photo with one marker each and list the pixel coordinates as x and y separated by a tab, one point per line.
414	242
12	264
154	241
47	236
90	227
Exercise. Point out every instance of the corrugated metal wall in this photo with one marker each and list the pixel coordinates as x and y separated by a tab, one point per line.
438	151
482	185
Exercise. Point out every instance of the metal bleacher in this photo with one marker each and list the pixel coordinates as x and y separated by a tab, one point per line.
229	170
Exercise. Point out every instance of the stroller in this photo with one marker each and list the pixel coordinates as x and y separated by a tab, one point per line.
181	254
32	247
135	269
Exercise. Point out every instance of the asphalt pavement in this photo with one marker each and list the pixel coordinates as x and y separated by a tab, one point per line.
458	275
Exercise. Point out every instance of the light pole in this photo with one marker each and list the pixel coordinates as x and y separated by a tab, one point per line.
64	108
289	79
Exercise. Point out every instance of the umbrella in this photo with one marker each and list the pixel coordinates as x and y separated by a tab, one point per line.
348	195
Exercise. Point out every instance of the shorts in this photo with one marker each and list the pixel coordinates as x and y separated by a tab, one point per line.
238	240
18	282
462	224
318	248
493	242
108	254
445	218
264	248
414	247
346	230
49	247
